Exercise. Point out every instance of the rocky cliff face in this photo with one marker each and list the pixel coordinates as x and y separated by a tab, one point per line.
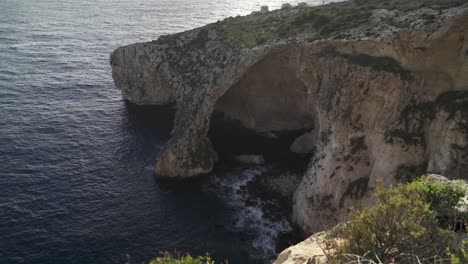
381	92
314	249
308	251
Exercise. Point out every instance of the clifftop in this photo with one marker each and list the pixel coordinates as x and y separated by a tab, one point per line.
349	20
378	89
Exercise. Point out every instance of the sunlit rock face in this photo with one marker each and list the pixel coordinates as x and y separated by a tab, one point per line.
379	93
310	250
269	96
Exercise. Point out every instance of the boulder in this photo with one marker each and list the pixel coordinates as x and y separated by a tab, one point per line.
250	159
309	251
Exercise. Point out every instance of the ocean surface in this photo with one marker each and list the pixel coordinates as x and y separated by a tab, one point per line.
76	161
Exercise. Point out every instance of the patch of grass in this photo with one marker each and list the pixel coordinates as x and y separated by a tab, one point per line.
326	201
407	137
385	64
425	111
439	196
453	101
314	22
356	189
358	144
407	173
177	258
413	120
310	16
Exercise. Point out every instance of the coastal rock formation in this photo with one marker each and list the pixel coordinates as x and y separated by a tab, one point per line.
314	249
308	251
380	91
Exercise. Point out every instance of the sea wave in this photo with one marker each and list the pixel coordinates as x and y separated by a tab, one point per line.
249	217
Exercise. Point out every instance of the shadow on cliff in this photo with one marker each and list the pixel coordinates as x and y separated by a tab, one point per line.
157	120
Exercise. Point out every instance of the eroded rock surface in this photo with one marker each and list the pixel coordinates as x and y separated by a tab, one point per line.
312	250
380	91
309	251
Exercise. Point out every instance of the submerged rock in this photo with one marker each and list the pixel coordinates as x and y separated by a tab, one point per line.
250	159
380	91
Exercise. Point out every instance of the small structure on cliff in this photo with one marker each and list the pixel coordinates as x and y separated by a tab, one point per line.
372	91
263	10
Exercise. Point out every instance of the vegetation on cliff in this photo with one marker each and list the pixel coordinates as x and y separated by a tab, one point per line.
412	223
177	258
333	20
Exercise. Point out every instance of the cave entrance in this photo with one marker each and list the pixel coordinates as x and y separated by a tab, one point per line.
267	111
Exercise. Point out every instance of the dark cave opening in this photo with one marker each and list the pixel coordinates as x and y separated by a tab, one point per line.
265	112
231	139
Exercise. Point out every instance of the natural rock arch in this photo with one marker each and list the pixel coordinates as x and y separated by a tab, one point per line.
385	108
270	100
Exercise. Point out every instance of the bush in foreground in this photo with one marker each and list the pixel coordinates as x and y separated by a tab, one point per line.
176	258
402	227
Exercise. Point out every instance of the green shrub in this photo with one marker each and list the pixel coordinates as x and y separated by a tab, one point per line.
461	256
438	195
402	227
310	16
176	258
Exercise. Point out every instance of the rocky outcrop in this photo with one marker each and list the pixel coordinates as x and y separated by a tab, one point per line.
380	91
313	249
309	251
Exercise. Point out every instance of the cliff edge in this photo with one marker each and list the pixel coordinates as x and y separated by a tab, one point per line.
379	89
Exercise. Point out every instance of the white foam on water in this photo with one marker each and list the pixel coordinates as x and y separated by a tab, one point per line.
249	214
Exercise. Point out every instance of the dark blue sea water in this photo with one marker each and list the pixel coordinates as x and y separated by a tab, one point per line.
76	161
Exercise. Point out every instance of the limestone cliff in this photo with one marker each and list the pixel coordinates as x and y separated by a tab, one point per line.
308	251
315	250
380	87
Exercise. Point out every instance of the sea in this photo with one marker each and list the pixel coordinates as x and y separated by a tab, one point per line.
76	160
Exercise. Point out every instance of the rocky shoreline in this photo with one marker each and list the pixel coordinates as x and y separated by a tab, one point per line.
275	188
263	220
369	90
